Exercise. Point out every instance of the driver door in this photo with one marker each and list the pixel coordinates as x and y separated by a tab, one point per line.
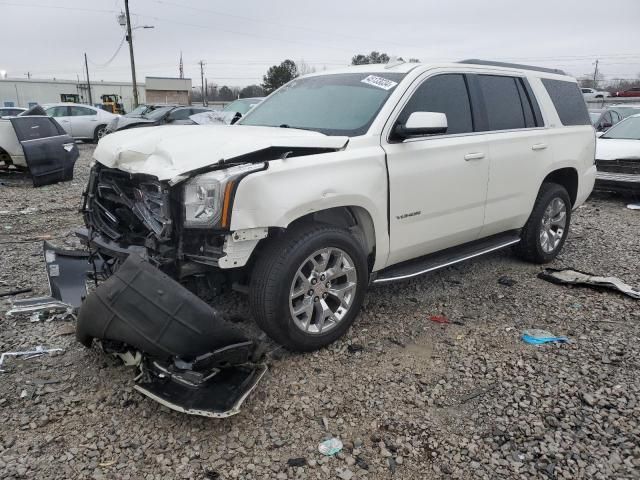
437	183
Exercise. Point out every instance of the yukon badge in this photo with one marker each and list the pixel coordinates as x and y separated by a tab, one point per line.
406	215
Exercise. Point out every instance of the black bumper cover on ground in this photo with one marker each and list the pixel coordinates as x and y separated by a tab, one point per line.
192	361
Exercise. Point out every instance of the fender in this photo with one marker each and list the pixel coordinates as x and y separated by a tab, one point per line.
292	188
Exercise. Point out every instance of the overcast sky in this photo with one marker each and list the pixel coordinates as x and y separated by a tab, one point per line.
240	39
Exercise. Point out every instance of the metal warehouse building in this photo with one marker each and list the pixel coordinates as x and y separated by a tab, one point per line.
23	92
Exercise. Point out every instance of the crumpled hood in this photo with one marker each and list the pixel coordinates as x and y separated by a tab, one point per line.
613	148
122	122
167	151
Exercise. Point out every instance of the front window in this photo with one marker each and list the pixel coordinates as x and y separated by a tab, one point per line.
624	112
628	129
139	110
241	106
338	104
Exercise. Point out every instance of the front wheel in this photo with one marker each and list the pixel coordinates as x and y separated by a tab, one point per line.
545	232
308	285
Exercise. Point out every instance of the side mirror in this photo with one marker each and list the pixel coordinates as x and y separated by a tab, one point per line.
422	123
605	126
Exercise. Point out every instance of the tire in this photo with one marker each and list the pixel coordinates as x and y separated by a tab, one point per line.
281	285
532	246
99	132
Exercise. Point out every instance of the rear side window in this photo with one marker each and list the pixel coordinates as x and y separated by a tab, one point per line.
568	101
33	128
503	103
445	94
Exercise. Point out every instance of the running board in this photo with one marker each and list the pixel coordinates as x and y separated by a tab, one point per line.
444	258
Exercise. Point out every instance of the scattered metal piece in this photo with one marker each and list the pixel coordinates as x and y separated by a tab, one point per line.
66	271
36	352
575	277
17	291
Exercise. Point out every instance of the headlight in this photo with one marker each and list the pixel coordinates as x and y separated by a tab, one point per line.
207	197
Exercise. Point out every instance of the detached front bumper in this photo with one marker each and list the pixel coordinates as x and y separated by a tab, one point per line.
189	359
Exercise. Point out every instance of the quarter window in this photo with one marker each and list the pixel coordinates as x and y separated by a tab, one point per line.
446	94
58	111
502	99
568	101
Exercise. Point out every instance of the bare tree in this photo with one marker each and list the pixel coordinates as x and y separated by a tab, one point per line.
304	67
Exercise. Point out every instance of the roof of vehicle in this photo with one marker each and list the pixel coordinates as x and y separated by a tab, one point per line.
406	67
69	104
13	108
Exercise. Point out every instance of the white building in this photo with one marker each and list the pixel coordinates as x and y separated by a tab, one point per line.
24	92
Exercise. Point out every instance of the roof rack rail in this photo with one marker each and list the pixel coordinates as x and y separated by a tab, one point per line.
475	61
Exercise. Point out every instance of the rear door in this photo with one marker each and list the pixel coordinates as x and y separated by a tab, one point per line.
437	183
63	117
519	149
49	152
83	121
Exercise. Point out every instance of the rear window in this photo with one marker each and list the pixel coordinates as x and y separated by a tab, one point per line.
568	100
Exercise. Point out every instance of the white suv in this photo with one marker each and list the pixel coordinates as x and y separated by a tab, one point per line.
368	174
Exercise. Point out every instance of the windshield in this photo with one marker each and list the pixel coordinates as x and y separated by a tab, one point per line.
139	110
628	129
158	113
338	104
241	106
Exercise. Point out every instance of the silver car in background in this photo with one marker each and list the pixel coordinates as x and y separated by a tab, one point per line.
82	122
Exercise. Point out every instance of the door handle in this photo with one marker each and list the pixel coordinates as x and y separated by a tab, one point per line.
539	146
474	156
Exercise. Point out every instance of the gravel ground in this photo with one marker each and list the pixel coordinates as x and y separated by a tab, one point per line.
410	398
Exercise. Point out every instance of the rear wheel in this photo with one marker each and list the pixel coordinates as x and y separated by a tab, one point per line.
99	132
308	285
546	230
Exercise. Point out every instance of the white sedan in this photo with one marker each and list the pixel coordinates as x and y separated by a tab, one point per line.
618	157
82	122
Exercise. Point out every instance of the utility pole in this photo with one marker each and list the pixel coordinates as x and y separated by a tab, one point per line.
86	66
595	76
133	63
181	69
204	100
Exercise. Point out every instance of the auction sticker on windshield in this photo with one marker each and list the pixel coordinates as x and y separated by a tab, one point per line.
379	82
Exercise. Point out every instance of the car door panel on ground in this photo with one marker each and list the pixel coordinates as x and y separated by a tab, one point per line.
518	146
438	183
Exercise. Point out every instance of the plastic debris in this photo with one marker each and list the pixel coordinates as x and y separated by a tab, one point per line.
439	319
507	281
576	277
36	352
297	462
634	206
330	447
538	337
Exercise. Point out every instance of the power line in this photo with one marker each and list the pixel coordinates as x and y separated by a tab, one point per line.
106	64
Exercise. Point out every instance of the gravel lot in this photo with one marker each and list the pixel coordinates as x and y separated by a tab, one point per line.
410	398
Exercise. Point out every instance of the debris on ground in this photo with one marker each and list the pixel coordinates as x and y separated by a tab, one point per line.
330	447
297	462
36	352
17	291
507	281
634	206
439	319
538	337
575	277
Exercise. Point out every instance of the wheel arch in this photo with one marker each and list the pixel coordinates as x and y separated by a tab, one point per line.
354	218
568	178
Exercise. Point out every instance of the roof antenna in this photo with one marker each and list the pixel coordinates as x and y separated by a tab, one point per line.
394	61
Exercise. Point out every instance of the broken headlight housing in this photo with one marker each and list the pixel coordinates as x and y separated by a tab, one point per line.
208	197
